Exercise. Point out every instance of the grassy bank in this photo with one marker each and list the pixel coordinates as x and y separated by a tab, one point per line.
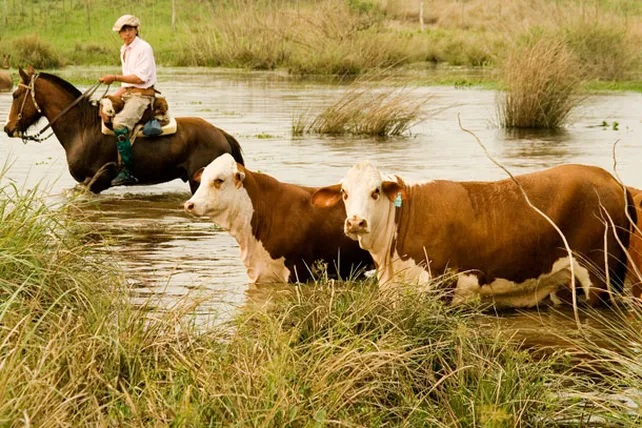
331	37
76	352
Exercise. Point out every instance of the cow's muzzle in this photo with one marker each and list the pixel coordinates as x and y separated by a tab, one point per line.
189	207
355	226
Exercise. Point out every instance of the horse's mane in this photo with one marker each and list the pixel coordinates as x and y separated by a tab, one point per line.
88	111
61	82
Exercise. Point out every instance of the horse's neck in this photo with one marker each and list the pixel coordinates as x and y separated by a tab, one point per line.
68	126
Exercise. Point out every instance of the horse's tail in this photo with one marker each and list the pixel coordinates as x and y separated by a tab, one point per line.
236	148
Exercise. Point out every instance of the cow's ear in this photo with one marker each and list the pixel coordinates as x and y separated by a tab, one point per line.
392	190
326	196
238	179
197	175
239	176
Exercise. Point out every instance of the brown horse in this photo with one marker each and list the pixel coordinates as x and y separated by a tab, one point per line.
91	156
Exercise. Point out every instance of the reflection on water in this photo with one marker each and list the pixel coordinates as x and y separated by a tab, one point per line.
167	254
551	329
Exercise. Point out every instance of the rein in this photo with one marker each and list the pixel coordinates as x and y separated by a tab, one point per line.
32	89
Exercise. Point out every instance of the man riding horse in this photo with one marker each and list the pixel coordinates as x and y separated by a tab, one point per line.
137	90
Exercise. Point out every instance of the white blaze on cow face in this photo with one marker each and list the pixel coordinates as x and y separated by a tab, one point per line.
222	197
108	107
369	207
220	192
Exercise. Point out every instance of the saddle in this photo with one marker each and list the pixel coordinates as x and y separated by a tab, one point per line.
110	105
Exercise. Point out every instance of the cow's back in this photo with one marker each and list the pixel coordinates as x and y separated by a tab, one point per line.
289	226
489	228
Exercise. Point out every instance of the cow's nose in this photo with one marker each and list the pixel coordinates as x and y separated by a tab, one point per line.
354	225
188	206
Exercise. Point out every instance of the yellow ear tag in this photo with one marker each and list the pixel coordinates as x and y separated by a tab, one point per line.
397	201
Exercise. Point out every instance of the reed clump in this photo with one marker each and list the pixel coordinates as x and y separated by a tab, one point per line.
604	386
381	111
31	49
540	83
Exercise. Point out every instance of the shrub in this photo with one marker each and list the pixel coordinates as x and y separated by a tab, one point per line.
540	80
382	111
30	50
604	49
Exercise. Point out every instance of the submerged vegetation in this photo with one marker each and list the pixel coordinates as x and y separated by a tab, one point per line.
76	351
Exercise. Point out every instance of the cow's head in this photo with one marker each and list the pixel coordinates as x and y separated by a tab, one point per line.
161	109
110	106
369	200
219	189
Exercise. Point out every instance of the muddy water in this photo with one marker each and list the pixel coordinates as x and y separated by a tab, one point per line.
168	254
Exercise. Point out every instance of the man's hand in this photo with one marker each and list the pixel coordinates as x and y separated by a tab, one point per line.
108	79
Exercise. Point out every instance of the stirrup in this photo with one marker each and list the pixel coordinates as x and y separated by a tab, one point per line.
124	178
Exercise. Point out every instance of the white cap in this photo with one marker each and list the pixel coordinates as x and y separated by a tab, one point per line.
124	20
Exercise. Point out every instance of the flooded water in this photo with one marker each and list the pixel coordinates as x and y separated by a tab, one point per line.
169	254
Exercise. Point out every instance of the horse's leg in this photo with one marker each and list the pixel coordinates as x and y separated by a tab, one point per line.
102	178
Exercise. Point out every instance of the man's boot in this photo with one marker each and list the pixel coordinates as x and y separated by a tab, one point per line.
125	176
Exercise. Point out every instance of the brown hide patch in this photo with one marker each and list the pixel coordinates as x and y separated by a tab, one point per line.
488	226
288	225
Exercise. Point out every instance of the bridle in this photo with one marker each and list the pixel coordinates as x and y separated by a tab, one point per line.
31	88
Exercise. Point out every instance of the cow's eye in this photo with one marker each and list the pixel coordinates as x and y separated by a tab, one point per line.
218	182
375	194
344	194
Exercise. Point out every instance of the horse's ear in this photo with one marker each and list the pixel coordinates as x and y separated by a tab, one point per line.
30	70
23	75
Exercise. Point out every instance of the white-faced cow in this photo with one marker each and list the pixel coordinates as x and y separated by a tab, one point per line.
500	247
280	234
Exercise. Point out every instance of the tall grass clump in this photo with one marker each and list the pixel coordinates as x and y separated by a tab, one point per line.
346	353
604	386
30	49
540	82
371	111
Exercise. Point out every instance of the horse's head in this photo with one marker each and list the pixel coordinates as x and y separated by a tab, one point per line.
24	110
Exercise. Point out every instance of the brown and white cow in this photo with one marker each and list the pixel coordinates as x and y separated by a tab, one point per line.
500	248
280	234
